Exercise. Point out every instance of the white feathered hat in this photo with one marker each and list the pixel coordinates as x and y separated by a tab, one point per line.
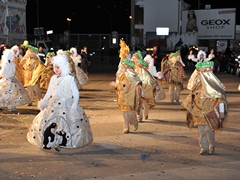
16	48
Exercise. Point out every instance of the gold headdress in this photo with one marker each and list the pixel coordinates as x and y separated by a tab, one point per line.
124	50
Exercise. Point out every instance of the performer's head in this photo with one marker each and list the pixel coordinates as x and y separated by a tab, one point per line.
61	64
31	52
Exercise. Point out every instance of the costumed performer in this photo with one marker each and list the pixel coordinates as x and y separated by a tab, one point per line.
80	74
32	69
12	92
71	66
172	68
206	105
152	89
18	73
62	122
151	67
201	56
128	89
48	73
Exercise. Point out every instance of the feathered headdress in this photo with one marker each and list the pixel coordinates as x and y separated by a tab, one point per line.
124	49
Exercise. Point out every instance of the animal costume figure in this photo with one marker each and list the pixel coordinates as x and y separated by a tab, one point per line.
80	74
206	105
32	70
151	88
60	105
172	68
48	73
128	90
73	68
17	60
12	92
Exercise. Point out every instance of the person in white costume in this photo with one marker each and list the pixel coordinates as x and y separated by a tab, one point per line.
151	68
12	92
80	74
62	122
201	56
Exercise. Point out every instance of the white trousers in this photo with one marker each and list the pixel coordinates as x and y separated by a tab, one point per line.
206	137
129	118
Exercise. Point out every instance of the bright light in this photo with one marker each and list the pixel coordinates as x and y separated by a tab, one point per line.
50	32
162	31
68	19
114	40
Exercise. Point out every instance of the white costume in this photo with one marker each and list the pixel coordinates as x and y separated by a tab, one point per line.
151	67
201	57
80	74
62	121
12	92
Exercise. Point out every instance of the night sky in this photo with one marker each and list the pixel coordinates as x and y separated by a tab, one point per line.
88	18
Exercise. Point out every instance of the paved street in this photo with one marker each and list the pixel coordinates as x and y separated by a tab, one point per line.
162	148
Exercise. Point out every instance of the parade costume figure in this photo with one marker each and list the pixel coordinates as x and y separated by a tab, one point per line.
206	105
151	88
172	68
201	56
12	92
71	66
48	73
151	68
32	69
128	90
18	73
62	122
80	74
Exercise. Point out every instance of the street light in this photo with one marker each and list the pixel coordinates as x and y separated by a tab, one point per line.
69	20
110	14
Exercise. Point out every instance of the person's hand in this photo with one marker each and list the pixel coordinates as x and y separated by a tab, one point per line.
113	84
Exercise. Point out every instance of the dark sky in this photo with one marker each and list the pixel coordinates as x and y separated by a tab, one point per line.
87	18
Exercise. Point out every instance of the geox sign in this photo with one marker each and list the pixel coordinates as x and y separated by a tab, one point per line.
211	23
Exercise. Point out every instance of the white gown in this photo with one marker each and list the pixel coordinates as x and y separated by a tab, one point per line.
63	123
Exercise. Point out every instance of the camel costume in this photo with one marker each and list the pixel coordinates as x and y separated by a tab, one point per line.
152	90
206	105
128	90
48	73
32	69
172	68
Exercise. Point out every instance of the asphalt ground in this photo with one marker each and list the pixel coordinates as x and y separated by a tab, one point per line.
162	148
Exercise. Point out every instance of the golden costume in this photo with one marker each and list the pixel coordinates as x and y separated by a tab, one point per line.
172	68
48	73
150	86
32	70
205	103
128	90
32	67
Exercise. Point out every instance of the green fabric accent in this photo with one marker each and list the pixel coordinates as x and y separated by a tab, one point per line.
138	53
142	62
32	48
205	64
128	63
176	53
